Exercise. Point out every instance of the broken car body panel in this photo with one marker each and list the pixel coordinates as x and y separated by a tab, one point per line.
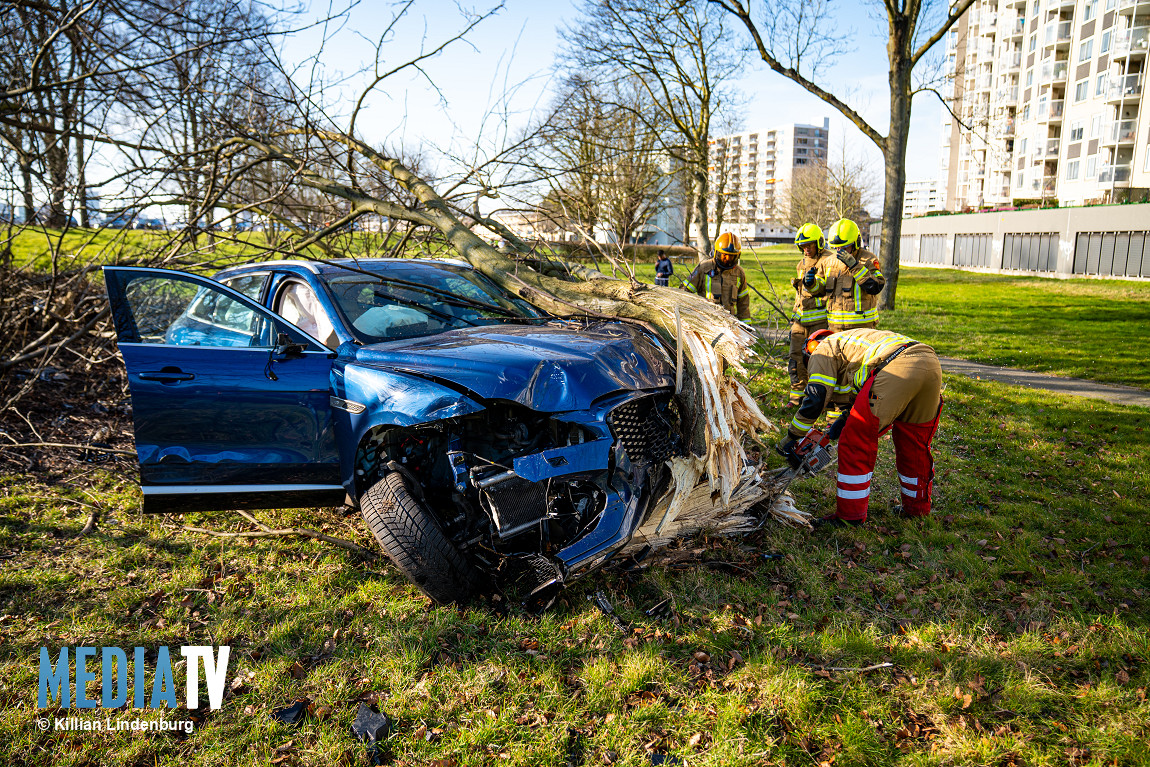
501	414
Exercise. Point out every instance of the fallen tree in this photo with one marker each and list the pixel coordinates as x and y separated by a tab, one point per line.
710	344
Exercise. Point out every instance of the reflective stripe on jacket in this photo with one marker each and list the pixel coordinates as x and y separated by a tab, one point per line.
727	288
843	362
848	305
810	303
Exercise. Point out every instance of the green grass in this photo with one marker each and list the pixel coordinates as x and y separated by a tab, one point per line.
1027	591
1093	329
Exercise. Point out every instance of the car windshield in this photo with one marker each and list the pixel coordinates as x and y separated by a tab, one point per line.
421	303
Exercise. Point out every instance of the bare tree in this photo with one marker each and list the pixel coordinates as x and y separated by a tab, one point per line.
682	56
824	192
793	38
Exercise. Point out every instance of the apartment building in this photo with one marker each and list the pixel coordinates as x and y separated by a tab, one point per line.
749	170
923	197
1049	99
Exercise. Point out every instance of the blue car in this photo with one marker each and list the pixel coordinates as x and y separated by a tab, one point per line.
482	439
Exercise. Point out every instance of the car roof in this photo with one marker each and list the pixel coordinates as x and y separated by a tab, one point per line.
334	266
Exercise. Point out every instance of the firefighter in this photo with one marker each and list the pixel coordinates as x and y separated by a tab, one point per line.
853	280
810	312
722	280
663	270
896	382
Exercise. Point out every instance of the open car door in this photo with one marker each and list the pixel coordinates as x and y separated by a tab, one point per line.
230	401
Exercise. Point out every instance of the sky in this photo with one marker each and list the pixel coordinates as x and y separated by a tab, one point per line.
506	63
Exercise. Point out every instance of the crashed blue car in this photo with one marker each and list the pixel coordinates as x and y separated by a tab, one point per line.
482	439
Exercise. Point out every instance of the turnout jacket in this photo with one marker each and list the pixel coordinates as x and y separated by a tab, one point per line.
852	294
726	287
810	303
839	366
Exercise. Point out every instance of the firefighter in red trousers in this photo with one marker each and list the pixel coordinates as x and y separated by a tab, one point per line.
896	382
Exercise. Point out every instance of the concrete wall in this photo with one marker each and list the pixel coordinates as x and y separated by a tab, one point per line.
1123	231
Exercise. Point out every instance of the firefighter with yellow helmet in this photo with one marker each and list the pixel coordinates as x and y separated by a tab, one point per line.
722	280
853	280
810	313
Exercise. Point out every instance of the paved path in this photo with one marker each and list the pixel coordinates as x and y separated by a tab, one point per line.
1122	395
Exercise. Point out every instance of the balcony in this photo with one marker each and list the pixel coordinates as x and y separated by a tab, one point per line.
1054	111
1120	132
983	83
1059	34
1053	71
1115	174
1008	128
1007	97
1062	5
1128	88
1052	146
1010	62
1131	43
1133	7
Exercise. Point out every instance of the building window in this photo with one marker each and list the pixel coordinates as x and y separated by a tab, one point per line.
1076	131
1091	167
1081	90
1100	85
1019	184
1086	50
1091	10
1110	4
1034	8
1022	147
1026	112
1033	40
1096	126
1072	170
1029	77
1104	45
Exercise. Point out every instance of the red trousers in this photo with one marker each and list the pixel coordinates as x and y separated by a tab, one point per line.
858	449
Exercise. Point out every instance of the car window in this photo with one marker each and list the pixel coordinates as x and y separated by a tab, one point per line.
408	304
297	303
251	285
170	310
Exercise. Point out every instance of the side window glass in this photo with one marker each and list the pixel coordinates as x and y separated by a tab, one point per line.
176	311
251	285
297	303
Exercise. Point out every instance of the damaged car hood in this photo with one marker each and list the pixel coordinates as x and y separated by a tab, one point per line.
555	367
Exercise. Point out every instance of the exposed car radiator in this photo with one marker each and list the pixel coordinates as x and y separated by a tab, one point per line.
516	504
647	428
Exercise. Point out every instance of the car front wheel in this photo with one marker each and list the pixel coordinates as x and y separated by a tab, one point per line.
413	540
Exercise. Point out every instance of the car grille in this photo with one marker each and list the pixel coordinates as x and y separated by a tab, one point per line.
647	427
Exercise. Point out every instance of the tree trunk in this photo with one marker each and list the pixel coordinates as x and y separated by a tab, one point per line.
26	188
81	183
894	156
703	241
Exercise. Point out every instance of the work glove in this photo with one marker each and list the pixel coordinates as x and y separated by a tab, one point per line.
795	282
786	446
809	277
849	261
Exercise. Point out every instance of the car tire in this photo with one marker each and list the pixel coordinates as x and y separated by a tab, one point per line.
413	540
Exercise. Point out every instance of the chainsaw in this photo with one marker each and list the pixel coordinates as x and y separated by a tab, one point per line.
812	454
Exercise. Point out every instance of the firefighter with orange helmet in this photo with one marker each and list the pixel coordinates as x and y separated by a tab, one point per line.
853	280
810	313
722	280
896	383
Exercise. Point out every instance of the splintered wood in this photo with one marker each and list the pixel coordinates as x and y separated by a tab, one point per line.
734	483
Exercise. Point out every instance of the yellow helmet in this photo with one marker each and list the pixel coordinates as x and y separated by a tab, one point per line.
844	233
810	233
727	249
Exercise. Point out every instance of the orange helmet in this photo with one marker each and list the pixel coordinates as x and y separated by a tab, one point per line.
813	341
727	249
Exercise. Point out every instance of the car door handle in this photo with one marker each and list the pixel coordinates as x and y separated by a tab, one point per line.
167	376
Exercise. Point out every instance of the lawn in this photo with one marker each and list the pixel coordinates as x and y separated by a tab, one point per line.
1014	620
1086	328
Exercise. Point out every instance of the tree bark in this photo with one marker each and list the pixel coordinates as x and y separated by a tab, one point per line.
894	157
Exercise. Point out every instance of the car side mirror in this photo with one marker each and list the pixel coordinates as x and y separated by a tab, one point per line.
286	348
